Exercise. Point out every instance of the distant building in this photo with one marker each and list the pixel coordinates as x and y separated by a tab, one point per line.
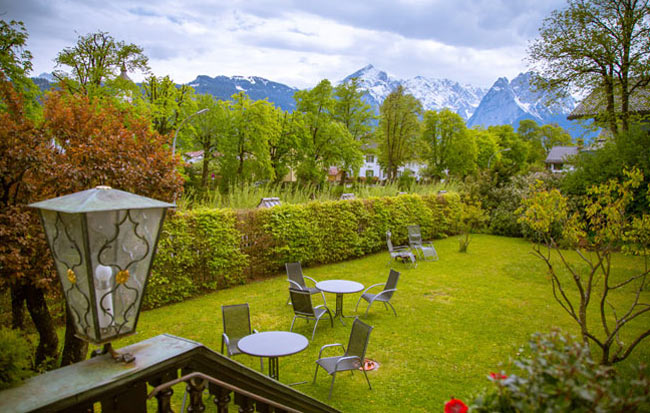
558	156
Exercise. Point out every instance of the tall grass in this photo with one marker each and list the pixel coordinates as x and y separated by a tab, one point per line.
248	195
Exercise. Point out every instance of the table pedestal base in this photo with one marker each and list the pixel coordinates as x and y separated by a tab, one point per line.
339	309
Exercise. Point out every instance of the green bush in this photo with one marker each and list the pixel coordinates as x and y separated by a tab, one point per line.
197	251
209	249
560	376
15	358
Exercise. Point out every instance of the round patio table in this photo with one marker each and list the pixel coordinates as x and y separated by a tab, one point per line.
339	287
273	344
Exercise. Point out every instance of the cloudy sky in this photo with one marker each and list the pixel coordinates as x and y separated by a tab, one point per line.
297	42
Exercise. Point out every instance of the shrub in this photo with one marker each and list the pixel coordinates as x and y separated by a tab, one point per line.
560	376
15	358
204	250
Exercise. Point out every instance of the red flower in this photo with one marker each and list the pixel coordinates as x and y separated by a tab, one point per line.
455	406
497	376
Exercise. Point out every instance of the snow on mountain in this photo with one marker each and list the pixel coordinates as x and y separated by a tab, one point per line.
511	102
257	88
435	94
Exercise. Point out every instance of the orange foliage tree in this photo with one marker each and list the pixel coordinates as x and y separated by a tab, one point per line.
82	143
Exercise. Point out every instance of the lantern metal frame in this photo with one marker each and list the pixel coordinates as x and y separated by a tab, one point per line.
99	324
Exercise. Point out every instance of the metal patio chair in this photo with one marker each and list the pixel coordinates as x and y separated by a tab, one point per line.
424	249
384	296
236	325
401	253
303	308
352	359
297	280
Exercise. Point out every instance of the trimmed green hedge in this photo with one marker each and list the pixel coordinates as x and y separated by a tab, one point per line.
204	250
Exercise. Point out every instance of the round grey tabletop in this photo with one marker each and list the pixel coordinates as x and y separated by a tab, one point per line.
339	286
273	344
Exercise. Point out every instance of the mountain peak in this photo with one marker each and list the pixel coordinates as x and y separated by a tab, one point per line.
511	102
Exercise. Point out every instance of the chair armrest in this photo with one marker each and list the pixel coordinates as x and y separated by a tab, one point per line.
336	367
372	286
310	279
255	331
226	340
322	305
329	345
392	290
295	284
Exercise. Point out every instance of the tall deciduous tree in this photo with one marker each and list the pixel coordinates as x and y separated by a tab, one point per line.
284	144
449	146
80	145
16	61
167	104
25	156
542	138
207	130
97	58
599	45
245	143
327	142
398	131
513	149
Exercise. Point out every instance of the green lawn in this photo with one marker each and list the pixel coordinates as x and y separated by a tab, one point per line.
458	319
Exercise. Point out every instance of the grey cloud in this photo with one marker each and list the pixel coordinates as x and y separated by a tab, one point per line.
469	23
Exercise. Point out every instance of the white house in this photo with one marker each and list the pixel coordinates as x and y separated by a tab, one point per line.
371	168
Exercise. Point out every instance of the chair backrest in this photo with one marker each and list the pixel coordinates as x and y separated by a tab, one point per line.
415	236
236	320
301	302
294	273
389	243
391	284
359	337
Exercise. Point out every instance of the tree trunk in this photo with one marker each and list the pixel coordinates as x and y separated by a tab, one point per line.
17	306
48	343
74	349
204	172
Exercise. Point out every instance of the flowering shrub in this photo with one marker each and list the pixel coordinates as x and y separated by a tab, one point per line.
455	406
560	376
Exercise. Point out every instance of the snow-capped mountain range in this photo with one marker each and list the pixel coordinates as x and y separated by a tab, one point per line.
435	94
257	88
506	102
510	102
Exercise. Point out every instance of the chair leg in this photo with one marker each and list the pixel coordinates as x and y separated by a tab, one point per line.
357	307
315	374
391	306
292	321
262	364
323	295
364	373
332	385
369	304
314	332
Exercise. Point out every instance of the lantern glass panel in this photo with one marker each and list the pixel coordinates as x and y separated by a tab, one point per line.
65	235
122	245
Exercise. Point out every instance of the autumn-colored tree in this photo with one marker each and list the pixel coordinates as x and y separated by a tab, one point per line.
607	227
25	154
81	144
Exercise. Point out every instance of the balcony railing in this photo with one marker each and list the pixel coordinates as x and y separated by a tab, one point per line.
120	387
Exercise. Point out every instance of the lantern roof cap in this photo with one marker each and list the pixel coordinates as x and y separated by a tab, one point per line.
101	198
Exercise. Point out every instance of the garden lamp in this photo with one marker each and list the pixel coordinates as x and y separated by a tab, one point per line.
103	241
